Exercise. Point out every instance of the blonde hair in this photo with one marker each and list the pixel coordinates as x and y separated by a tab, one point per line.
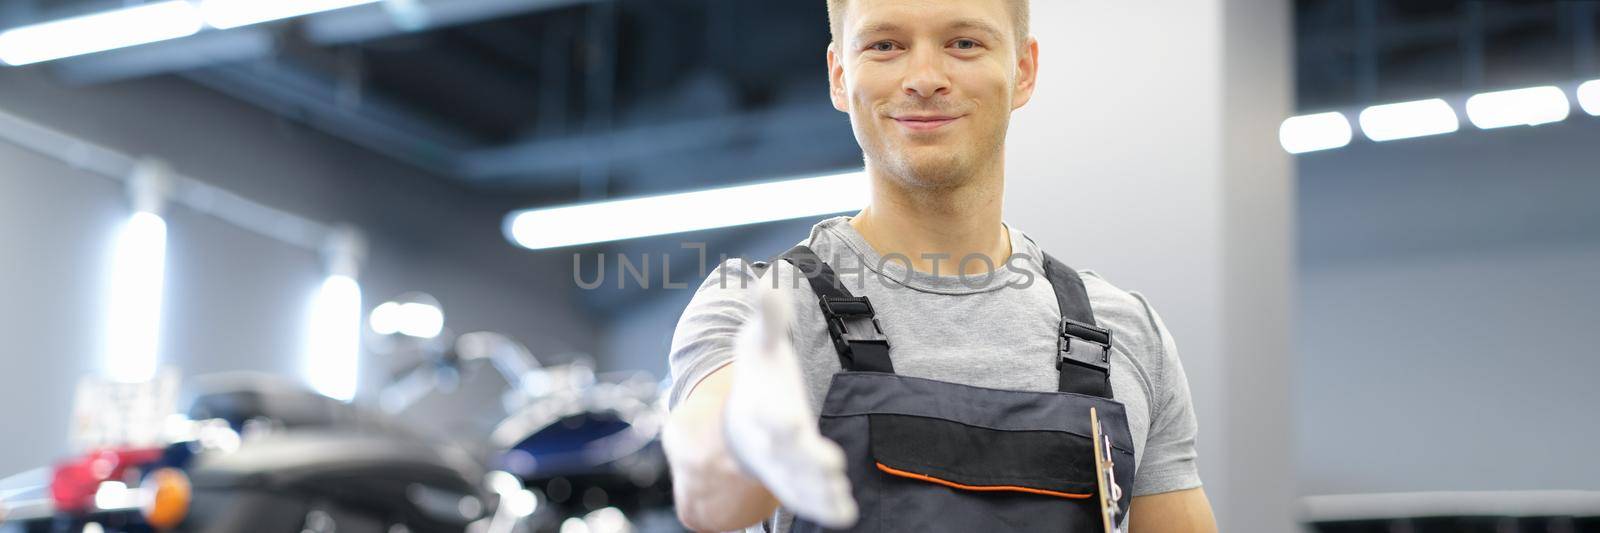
1019	16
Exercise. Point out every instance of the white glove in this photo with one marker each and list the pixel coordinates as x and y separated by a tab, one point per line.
769	425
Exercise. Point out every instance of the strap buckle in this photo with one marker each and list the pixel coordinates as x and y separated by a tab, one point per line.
851	320
1093	346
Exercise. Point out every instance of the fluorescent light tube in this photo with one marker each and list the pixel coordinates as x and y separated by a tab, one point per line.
1589	97
1405	120
690	211
99	32
333	355
134	314
1518	107
1309	133
225	14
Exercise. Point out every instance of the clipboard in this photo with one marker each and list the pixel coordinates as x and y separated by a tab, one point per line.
1105	475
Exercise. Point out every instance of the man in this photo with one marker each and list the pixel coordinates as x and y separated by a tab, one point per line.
930	395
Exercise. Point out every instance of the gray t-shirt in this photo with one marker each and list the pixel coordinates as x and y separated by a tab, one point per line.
996	330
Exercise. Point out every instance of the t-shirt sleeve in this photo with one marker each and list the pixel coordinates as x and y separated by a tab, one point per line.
1169	452
703	340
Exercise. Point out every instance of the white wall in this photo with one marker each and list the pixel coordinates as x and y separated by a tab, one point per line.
234	300
1462	371
1447	333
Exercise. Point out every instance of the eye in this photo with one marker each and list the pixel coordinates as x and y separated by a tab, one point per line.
882	46
966	44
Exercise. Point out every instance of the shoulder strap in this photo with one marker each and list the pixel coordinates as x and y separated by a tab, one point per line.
1083	348
852	323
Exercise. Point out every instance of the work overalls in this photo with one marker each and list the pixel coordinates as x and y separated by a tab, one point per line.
927	455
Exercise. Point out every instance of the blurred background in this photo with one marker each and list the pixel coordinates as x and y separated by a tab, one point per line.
341	235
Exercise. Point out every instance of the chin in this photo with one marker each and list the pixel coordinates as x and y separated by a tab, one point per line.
924	166
936	171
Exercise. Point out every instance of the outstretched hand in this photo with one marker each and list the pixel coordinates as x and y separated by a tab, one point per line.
769	425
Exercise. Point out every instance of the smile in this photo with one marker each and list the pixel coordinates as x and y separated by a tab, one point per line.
925	123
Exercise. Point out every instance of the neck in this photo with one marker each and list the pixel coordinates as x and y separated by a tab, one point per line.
936	227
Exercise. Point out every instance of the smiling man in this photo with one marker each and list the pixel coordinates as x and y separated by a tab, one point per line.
921	365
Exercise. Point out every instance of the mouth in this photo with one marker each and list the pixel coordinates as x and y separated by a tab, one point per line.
925	123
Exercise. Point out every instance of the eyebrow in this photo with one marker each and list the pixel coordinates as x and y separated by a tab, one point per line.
975	24
876	27
960	24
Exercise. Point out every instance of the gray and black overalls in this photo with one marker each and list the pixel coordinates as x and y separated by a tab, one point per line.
927	455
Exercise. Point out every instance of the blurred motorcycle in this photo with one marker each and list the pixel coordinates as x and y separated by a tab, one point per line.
259	454
570	451
586	445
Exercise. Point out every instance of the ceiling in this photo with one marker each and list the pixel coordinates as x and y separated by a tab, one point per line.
1359	52
560	99
578	99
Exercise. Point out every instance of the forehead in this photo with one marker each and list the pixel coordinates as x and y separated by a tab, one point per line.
925	14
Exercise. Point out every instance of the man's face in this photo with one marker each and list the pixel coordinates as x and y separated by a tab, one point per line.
930	84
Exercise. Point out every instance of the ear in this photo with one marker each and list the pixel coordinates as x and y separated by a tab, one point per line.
836	90
1027	73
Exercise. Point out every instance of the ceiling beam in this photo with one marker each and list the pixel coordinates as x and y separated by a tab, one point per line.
375	21
640	143
202	50
380	126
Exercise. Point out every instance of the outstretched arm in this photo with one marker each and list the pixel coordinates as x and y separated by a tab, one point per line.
745	439
712	492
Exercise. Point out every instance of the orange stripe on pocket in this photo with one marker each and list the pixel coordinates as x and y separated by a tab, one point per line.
981	488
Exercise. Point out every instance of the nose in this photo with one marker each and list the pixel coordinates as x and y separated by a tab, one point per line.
926	77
